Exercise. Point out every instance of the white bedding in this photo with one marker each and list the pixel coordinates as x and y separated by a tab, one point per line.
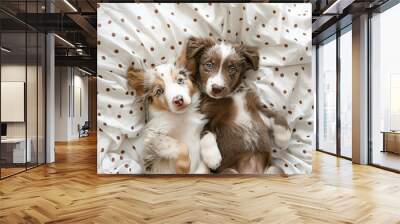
152	33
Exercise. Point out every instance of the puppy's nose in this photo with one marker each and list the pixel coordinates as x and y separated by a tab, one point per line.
216	89
178	100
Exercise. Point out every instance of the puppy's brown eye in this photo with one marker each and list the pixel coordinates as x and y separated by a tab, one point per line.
208	65
232	69
180	81
159	92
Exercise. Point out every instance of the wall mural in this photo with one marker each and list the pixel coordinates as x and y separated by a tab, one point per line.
206	88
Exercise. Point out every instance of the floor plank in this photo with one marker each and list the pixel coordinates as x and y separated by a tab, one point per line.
70	191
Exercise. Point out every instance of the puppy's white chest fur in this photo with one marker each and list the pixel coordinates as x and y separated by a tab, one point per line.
243	117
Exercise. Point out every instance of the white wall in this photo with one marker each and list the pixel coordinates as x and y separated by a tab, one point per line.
69	81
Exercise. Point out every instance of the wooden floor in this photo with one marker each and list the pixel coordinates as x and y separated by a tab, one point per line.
70	191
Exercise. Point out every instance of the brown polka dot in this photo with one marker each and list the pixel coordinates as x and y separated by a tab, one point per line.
184	30
121	157
290	112
229	31
247	29
274	11
255	17
196	9
271	104
210	34
153	27
258	78
116	51
272	84
164	38
99	25
284	107
126	38
309	90
156	11
300	118
144	60
304	151
109	106
286	165
194	20
108	89
137	30
151	48
295	25
180	42
126	165
121	106
244	8
276	69
276	28
141	108
98	42
118	138
282	75
103	57
300	102
286	45
119	116
283	18
130	112
162	58
283	58
139	17
113	34
109	21
132	127
296	74
122	20
301	59
258	35
172	47
102	150
168	25
98	114
240	19
120	65
309	123
274	150
112	159
284	91
153	65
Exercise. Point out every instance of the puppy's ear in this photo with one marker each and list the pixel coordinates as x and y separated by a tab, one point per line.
139	80
196	45
251	56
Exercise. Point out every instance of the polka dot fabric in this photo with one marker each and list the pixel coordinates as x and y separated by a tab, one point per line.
148	34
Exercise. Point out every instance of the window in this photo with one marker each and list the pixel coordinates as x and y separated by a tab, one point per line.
346	93
327	97
385	89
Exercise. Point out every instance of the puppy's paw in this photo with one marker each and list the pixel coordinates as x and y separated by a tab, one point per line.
182	164
210	151
282	136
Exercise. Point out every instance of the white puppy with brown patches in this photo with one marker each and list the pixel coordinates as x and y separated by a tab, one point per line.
172	134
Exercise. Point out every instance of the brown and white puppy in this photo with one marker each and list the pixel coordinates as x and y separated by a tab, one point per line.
237	119
172	134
